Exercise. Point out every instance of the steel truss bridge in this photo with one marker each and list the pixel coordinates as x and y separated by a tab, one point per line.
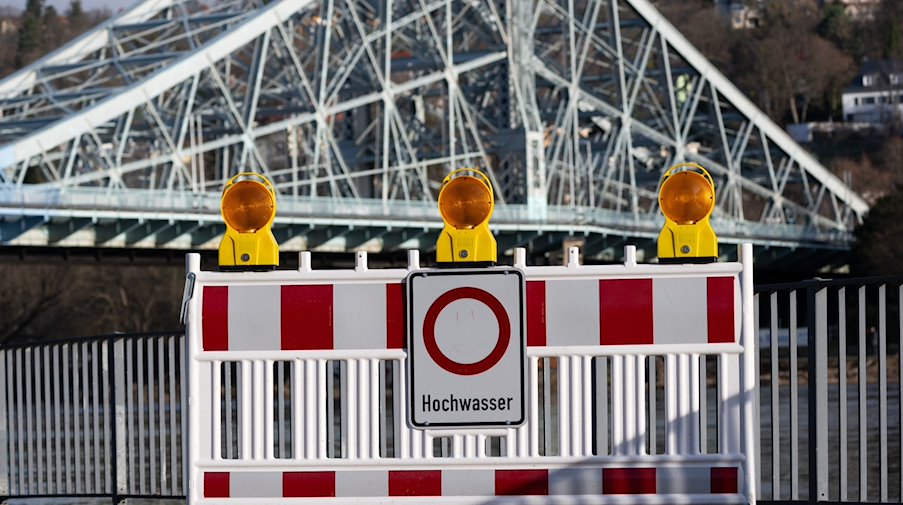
356	109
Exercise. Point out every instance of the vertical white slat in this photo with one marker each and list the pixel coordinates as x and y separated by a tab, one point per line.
252	407
399	396
729	413
5	447
863	401
85	368
85	397
374	394
245	407
365	421
263	392
321	413
842	404
653	417
95	370
35	447
471	447
617	406
68	418
602	413
564	411
794	400
531	448
548	418
141	468
130	381
300	424
350	414
49	427
109	486
457	444
672	435
757	382
176	487
702	377
29	424
683	405
217	410
152	379
775	404
120	418
312	396
165	473
821	392
58	432
882	387
628	404
481	442
694	427
20	485
78	418
575	400
230	413
183	357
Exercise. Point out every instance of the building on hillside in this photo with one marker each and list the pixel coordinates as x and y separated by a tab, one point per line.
859	10
742	15
7	25
876	93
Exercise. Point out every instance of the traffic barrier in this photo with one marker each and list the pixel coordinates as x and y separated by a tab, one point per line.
300	388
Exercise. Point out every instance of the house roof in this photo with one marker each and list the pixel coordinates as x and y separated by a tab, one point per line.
880	72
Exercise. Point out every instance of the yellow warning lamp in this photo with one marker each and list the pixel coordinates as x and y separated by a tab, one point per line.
466	203
687	198
249	207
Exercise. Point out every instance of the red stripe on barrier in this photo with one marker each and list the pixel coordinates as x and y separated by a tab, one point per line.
521	482
308	484
415	483
216	484
536	313
215	318
307	317
625	312
394	316
628	481
724	480
720	295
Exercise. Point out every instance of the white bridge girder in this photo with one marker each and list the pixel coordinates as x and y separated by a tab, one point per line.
356	109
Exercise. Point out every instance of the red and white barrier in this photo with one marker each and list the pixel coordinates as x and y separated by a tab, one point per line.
591	331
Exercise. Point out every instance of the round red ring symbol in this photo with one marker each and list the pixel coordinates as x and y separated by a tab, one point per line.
429	331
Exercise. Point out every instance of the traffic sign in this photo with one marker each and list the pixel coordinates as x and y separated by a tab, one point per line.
466	348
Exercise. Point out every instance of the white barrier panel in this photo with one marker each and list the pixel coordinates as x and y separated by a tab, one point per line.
298	390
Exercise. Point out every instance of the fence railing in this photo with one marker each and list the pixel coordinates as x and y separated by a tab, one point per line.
103	416
830	388
96	417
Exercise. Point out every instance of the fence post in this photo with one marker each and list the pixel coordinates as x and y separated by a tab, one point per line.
817	391
4	433
119	426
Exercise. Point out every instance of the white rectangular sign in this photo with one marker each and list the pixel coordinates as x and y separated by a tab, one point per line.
467	348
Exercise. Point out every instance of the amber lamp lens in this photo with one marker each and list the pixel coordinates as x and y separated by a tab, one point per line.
247	206
465	202
687	197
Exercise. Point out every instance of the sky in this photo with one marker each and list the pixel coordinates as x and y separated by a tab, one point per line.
61	5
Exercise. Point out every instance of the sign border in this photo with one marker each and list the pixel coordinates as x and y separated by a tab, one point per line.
521	340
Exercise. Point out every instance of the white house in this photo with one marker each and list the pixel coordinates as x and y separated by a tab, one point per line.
876	93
